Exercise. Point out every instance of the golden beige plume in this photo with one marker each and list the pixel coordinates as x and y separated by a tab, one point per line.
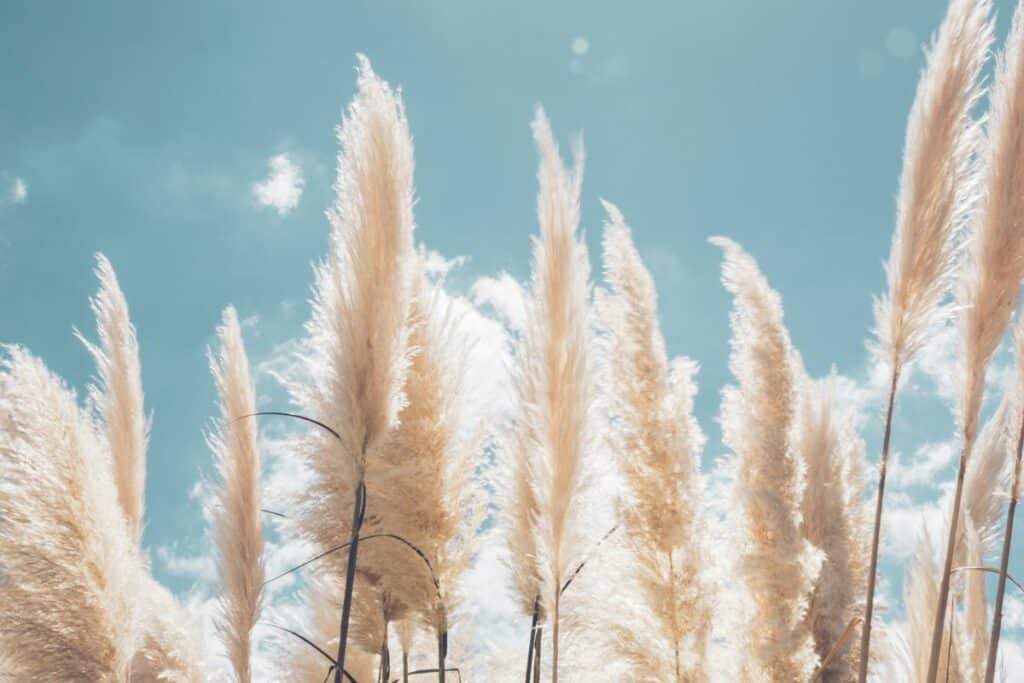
170	651
118	394
239	528
554	393
428	493
937	190
833	520
778	564
992	271
936	187
70	567
358	335
658	442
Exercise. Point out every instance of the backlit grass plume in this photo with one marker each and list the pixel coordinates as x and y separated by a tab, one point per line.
118	396
936	191
425	476
833	521
979	525
358	335
658	442
554	394
778	565
993	268
239	529
169	650
68	601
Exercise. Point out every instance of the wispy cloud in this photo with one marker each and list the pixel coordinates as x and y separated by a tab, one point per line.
282	188
19	191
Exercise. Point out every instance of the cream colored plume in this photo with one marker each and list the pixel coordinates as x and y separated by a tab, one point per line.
833	521
937	186
118	395
169	651
70	565
554	394
778	564
427	491
358	335
664	627
300	662
987	475
239	528
995	259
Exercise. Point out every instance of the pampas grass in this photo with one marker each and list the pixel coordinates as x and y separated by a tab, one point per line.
118	395
1014	493
936	191
428	492
358	335
658	442
239	528
778	565
169	650
68	604
993	269
554	394
833	520
936	188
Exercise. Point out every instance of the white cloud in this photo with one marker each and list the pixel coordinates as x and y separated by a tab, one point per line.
282	188
504	295
19	191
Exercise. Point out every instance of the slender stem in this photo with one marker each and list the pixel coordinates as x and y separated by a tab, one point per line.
405	667
350	573
943	599
533	637
869	605
385	657
536	656
554	639
1004	561
837	647
442	654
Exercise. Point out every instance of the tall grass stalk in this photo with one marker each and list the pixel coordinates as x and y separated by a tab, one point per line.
1004	558
992	274
935	193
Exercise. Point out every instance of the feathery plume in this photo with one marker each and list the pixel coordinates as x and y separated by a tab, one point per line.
659	443
993	270
833	520
169	651
118	394
239	528
936	193
358	335
554	393
778	564
70	568
428	493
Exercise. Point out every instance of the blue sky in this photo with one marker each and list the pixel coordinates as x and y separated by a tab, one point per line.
143	130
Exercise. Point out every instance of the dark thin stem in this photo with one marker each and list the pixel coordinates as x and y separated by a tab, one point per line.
442	654
991	570
368	537
405	667
533	637
1004	561
313	645
869	605
275	514
947	568
359	510
582	564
